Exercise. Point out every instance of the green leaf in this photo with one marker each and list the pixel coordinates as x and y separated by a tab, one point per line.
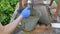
7	8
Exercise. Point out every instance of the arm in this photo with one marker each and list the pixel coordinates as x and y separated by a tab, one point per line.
10	27
24	14
1	27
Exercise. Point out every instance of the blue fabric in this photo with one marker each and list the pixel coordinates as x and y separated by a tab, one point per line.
26	12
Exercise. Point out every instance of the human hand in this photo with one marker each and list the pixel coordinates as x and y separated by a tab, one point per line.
26	12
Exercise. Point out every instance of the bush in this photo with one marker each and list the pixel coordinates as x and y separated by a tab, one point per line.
6	10
56	1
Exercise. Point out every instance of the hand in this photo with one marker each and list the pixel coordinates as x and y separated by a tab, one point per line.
26	12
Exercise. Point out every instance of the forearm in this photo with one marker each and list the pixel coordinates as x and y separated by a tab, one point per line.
1	27
10	27
24	14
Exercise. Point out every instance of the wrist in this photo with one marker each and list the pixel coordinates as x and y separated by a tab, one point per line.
21	16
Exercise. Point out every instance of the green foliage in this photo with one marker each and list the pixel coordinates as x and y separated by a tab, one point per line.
6	10
56	1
